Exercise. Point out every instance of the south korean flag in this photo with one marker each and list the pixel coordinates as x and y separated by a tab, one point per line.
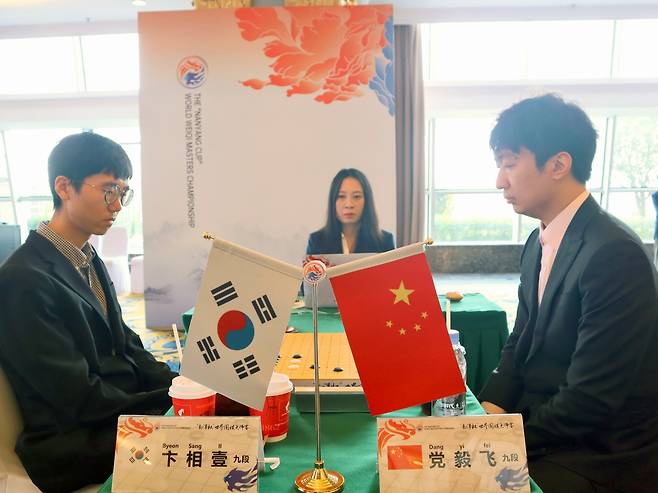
239	320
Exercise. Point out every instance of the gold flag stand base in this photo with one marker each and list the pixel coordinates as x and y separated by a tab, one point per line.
319	480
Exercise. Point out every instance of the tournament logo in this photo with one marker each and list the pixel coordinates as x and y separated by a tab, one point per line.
241	479
135	426
191	72
512	479
314	271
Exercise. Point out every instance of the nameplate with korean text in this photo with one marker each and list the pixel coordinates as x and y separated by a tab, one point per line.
452	454
186	454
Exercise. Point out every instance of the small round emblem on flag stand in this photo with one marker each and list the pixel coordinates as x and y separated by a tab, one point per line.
314	271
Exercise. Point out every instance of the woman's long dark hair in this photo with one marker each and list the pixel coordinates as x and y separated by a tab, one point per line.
369	224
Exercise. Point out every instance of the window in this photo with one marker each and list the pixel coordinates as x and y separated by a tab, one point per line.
27	155
63	70
599	64
634	172
40	66
510	51
6	203
111	62
464	207
633	37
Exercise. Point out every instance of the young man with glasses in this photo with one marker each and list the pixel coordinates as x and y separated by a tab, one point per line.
73	363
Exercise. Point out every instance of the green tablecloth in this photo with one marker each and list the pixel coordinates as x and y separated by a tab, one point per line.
482	327
349	445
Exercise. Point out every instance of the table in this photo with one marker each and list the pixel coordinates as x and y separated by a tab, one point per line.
482	327
349	445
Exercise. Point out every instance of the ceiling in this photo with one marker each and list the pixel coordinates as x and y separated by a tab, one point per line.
39	12
28	12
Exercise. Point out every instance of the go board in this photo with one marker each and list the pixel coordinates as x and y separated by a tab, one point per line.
337	368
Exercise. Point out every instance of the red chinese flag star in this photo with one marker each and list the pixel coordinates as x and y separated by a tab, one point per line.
405	457
395	327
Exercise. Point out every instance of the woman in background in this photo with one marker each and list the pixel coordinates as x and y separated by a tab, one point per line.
352	225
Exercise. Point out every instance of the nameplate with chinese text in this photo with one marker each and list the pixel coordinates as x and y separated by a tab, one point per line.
186	454
452	454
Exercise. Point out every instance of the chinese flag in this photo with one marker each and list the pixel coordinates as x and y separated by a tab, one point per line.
405	457
395	327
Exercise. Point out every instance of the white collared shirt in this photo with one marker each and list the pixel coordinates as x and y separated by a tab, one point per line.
550	238
346	247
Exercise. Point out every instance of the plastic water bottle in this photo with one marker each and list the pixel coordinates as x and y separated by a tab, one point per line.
454	405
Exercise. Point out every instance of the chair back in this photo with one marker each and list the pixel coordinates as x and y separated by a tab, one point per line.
13	477
11	423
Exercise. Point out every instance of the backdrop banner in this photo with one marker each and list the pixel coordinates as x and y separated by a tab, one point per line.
246	115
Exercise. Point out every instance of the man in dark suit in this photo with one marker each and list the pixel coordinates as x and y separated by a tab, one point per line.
72	362
581	364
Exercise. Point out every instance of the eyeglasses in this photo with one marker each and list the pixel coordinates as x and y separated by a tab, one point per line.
114	192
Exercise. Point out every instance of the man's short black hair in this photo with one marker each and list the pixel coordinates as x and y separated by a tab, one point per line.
85	154
547	125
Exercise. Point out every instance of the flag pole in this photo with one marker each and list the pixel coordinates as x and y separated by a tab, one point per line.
318	479
316	371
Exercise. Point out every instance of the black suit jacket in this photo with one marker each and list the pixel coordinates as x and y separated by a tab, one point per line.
73	369
582	367
318	243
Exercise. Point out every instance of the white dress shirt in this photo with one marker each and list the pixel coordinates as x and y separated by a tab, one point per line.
550	238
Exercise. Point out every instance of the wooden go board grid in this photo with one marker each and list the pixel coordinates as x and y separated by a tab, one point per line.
337	368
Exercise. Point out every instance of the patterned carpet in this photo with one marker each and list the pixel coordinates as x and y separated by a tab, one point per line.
159	342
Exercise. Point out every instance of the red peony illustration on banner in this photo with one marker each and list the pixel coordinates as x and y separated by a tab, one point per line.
333	52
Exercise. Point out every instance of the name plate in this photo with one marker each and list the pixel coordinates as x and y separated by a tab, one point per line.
186	454
452	454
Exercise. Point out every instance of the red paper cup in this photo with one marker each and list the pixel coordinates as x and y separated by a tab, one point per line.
274	416
194	407
190	398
